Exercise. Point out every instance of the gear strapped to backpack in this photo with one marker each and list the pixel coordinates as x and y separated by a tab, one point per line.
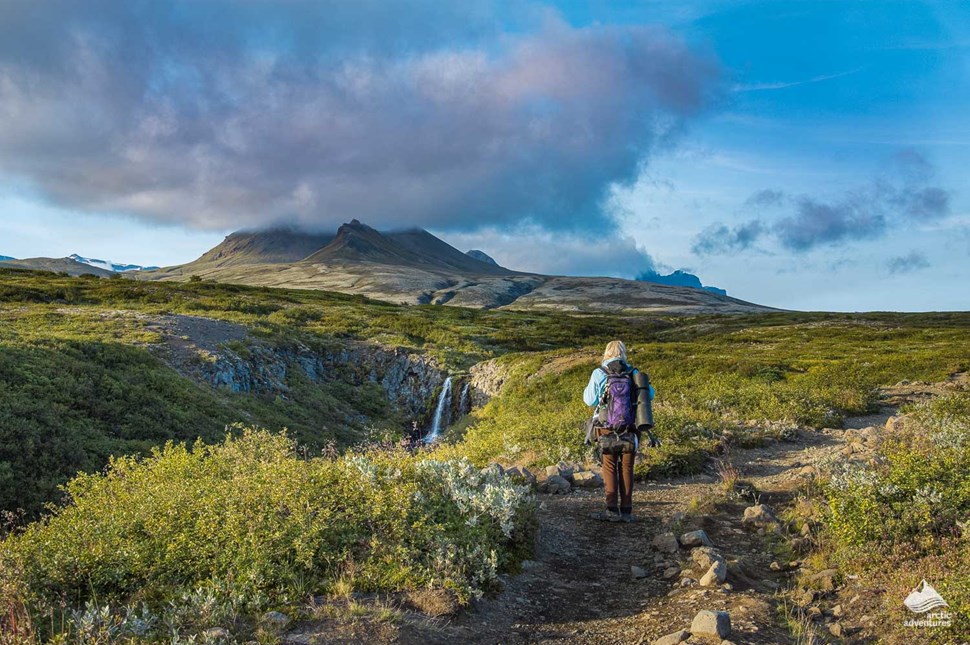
616	419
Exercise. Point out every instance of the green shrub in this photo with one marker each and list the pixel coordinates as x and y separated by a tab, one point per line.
918	491
904	518
255	526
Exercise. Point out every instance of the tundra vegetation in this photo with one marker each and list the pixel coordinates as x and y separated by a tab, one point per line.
161	521
905	515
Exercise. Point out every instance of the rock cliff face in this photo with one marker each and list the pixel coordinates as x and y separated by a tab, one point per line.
408	380
224	355
486	380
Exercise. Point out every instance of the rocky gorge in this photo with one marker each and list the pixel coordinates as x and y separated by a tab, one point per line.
227	356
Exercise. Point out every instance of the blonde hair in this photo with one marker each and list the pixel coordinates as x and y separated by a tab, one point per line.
614	349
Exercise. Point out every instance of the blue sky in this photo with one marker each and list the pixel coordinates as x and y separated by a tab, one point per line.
809	155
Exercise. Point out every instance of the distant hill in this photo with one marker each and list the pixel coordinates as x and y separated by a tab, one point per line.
415	267
481	255
6	257
109	266
678	279
57	265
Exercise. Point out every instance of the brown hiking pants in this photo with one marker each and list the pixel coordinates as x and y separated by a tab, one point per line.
618	479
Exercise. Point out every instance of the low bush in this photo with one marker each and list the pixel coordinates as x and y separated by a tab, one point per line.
248	525
918	489
903	517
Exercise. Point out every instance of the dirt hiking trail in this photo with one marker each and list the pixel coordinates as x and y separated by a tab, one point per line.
580	587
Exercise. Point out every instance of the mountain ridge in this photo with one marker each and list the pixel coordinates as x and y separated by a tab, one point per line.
57	265
412	266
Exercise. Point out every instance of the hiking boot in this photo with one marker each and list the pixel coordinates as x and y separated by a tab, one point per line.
605	516
628	518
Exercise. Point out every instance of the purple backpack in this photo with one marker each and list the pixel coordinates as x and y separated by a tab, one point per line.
616	404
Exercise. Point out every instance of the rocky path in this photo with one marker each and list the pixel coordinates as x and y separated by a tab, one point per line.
595	582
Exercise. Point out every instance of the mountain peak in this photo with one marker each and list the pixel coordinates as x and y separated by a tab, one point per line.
481	256
414	247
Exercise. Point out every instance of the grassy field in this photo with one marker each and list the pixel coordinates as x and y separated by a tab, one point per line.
79	382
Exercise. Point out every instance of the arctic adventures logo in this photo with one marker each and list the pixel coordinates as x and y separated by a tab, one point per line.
924	598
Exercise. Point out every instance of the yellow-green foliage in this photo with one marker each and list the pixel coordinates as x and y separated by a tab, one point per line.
919	488
254	525
755	381
904	518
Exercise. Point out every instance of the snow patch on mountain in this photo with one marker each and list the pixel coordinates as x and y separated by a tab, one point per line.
109	266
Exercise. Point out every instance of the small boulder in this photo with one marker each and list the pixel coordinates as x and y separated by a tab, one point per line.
695	538
836	630
553	471
638	572
671	572
711	623
566	470
587	479
665	543
759	515
555	485
704	557
715	575
673	639
528	475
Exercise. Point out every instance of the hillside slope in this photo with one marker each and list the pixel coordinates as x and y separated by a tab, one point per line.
57	265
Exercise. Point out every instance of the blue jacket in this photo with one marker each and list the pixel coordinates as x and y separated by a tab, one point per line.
597	383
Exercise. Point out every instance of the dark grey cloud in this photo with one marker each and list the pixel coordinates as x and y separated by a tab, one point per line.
913	261
816	223
802	222
720	238
222	114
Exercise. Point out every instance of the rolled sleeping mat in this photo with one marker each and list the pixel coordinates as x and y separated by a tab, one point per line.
644	414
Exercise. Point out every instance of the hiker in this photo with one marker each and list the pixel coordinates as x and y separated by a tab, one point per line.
621	397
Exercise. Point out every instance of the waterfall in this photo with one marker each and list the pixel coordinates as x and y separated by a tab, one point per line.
444	399
463	407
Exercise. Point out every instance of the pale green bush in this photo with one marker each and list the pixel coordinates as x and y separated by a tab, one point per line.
249	525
